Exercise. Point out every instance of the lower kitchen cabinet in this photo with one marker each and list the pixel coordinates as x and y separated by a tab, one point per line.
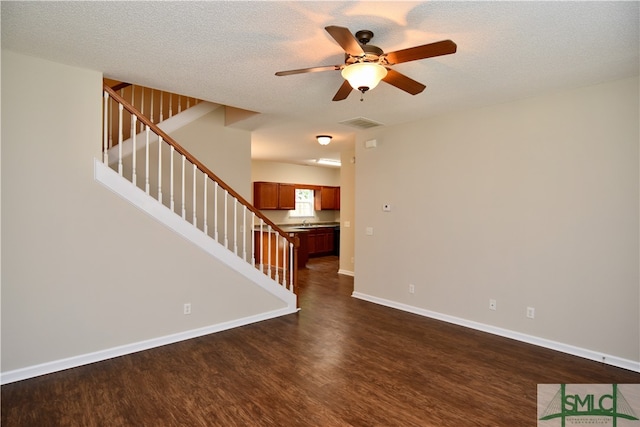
321	241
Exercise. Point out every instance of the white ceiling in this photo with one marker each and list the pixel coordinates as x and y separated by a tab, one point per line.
228	51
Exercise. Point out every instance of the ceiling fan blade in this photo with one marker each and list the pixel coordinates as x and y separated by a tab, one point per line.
343	92
403	82
345	39
444	47
309	70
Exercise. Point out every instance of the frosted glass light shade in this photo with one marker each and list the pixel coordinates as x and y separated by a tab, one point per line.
323	139
364	75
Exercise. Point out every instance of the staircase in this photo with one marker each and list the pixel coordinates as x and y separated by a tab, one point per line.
143	164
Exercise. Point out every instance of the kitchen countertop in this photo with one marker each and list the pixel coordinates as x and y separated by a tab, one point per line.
297	228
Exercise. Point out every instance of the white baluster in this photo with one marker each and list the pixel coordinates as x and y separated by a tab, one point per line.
204	203
244	234
161	107
215	211
253	240
141	104
152	94
235	226
195	220
269	251
134	180
184	211
276	240
188	102
284	261
291	266
160	169
171	192
111	120
179	104
261	249
106	125
146	160
120	139
226	226
170	105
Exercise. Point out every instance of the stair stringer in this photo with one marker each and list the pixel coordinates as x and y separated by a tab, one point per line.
125	189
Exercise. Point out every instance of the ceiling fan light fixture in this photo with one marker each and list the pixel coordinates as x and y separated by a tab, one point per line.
324	139
364	76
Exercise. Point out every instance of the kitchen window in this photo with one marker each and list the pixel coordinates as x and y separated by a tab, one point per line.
304	204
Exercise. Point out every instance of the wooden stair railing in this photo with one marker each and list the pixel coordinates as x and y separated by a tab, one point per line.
155	104
277	253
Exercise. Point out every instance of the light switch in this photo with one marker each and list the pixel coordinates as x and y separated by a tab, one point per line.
369	231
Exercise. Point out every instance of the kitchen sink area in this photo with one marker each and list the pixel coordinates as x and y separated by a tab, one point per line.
316	239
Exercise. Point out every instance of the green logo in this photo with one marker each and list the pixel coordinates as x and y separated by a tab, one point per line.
591	404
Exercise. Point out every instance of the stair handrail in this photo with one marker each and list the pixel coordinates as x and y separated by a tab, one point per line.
180	149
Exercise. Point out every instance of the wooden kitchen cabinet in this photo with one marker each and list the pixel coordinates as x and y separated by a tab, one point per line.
273	195
286	196
265	195
327	198
321	241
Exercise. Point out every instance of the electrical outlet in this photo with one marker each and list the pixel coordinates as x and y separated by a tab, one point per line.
493	305
531	312
187	308
412	288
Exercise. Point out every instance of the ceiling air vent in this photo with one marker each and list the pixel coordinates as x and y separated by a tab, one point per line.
361	123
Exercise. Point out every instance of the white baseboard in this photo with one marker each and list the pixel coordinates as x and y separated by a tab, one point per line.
541	342
346	272
98	356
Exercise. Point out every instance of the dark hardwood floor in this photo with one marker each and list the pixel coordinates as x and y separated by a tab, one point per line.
340	361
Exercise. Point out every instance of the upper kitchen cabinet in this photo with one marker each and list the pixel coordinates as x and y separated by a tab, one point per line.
327	198
279	196
273	195
286	196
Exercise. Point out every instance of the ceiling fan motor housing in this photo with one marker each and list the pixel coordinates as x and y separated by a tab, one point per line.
364	36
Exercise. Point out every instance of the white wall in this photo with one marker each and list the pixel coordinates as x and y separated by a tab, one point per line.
532	203
226	151
82	270
347	212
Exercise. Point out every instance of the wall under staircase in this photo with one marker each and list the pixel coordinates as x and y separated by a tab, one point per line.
86	275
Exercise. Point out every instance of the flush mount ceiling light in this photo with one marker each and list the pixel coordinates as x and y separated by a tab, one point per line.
364	76
324	139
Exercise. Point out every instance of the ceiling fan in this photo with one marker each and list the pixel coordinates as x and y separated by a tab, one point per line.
365	65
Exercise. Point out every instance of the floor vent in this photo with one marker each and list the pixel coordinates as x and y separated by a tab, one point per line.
361	123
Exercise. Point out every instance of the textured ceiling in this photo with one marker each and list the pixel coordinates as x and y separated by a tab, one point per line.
228	51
